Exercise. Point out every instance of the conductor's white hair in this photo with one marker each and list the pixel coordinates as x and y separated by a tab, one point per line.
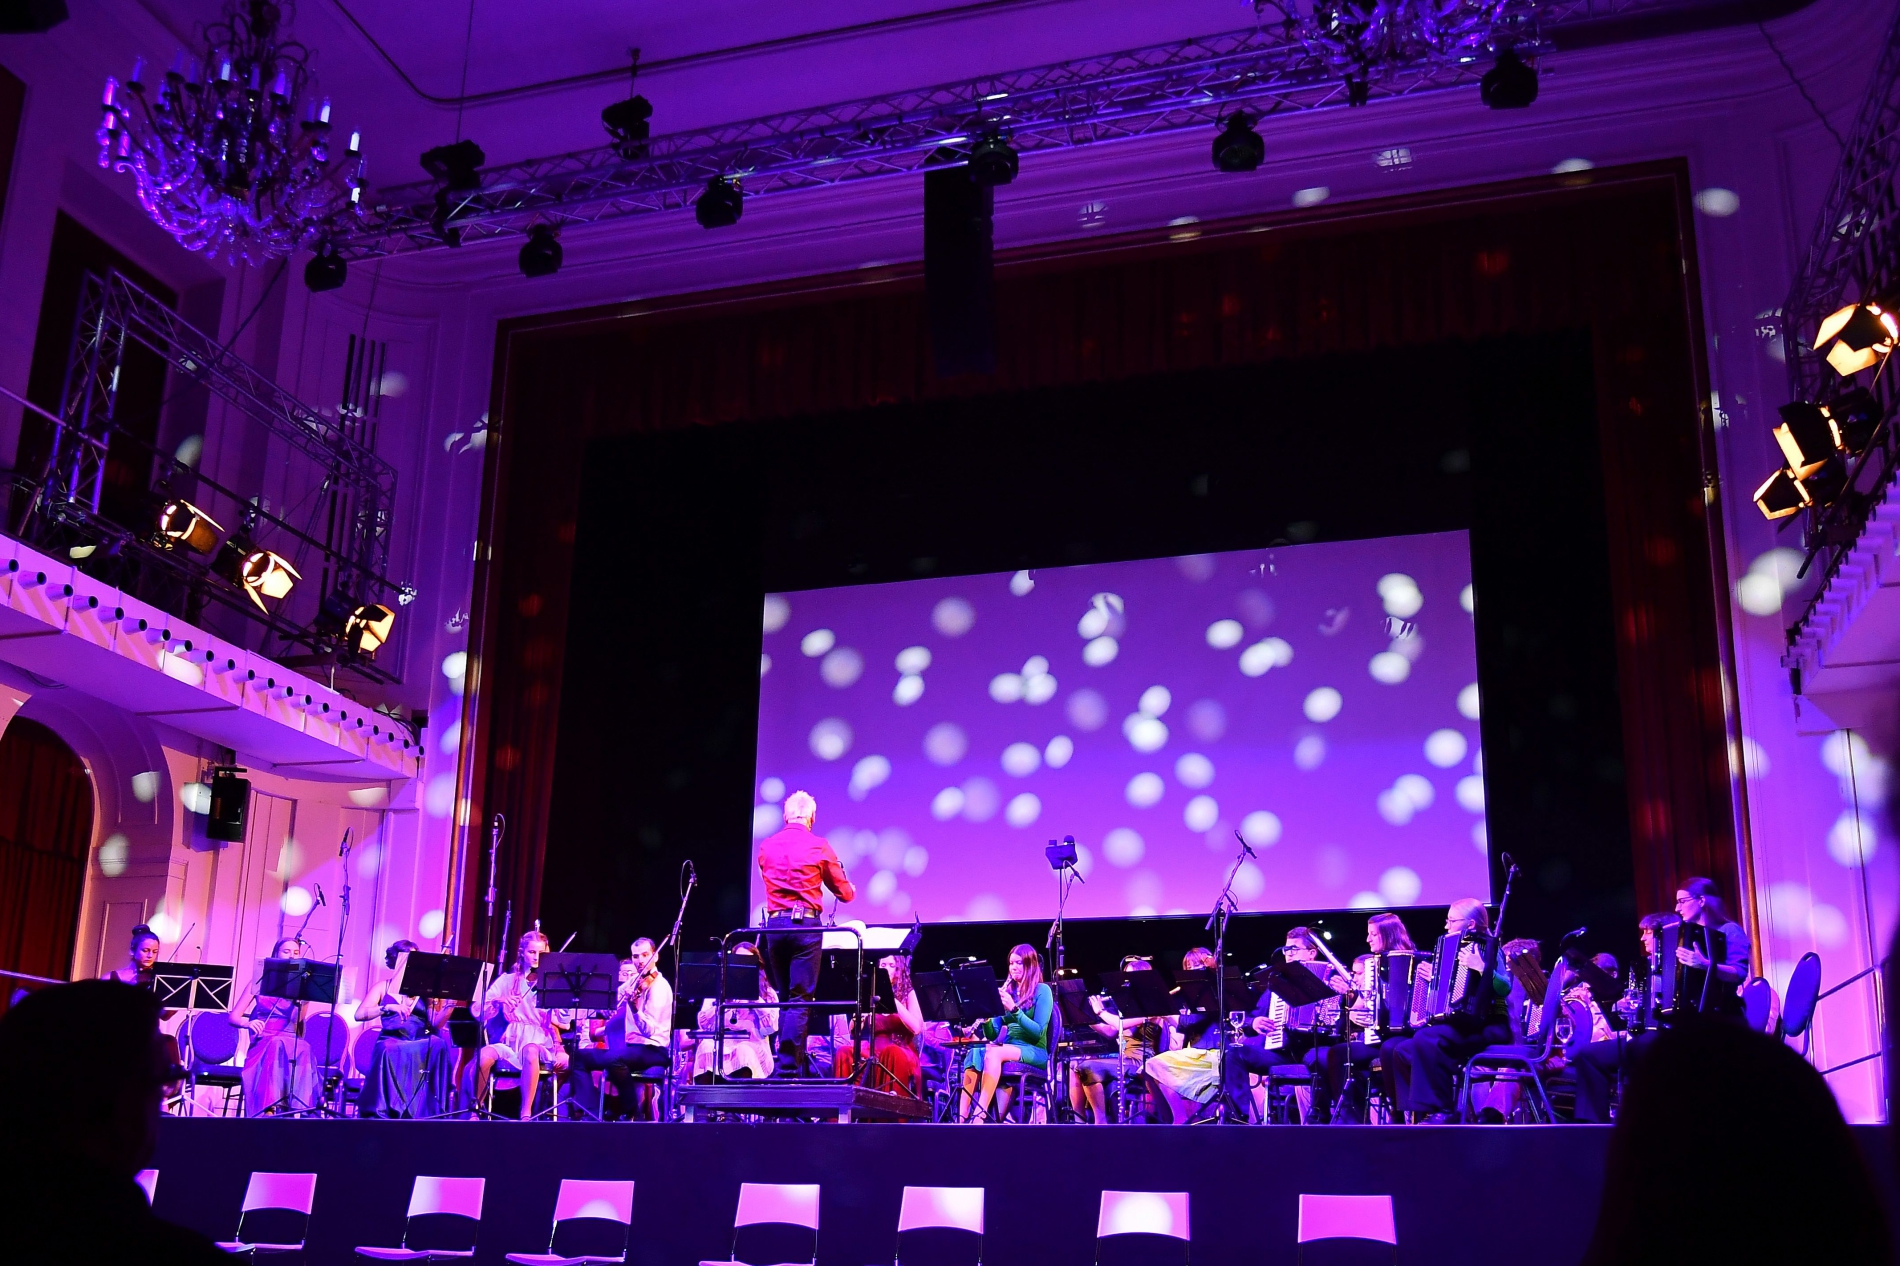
800	807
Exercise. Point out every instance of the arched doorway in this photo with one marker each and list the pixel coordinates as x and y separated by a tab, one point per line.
45	838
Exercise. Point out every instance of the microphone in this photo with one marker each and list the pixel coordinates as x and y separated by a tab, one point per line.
1244	846
344	851
321	899
1573	937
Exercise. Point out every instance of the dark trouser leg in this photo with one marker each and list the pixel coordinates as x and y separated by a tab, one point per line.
1595	1068
1437	1053
639	1058
583	1062
1237	1065
1395	1060
1331	1067
791	963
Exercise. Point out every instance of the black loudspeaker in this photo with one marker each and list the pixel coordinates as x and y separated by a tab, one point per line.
30	17
959	284
230	799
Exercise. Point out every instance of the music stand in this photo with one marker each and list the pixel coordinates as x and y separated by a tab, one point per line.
299	980
1300	987
441	977
578	982
1194	990
961	996
1072	1000
192	986
699	977
1139	995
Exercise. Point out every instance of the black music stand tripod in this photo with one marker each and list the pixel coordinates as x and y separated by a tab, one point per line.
299	980
578	983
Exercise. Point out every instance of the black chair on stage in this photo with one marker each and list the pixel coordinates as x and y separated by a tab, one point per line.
1804	994
1518	1063
211	1041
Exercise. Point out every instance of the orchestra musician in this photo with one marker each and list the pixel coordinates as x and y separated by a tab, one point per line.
1136	1041
1698	902
893	1037
1190	1071
280	1070
748	1030
639	1035
1019	1036
531	1040
1277	1041
1385	934
140	961
1425	1066
797	866
411	1070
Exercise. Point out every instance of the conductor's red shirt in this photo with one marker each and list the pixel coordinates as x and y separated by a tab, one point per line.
797	866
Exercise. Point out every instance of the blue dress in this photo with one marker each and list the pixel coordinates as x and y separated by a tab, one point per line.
411	1070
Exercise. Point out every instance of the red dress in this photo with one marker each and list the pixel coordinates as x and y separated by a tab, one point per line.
893	1056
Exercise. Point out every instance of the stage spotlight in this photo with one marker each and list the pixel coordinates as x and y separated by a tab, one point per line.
1856	416
1827	482
1781	496
1862	333
1806	436
1509	84
368	628
182	523
993	162
626	122
541	257
456	166
1239	147
721	205
326	270
265	574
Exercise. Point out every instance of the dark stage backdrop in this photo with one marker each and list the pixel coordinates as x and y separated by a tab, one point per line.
1329	377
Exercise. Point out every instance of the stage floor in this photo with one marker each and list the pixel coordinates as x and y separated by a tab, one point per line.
1533	1187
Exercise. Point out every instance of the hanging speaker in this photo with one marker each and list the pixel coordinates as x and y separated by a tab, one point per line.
959	291
230	799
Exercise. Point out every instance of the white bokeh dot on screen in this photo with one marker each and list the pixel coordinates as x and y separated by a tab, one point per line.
1365	901
1006	687
1400	595
892	843
817	642
1845	754
1201	813
1468	702
1260	829
296	901
369	860
1477	762
916	860
1039	689
1759	593
1468	599
1145	733
1755	759
1101	652
765	664
145	785
1853	839
1123	847
430	924
1142	912
1322	705
908	690
455	665
953	617
1470	793
946	804
777	612
1021	759
1061	751
1480	838
868	774
1087	710
114	854
1196	567
945	743
1194	770
766	818
981	800
1225	634
1084	860
830	738
842	668
1022	584
1155	701
451	740
1417	788
1310	752
1249	882
1829	924
1207	720
164	925
1389	667
912	660
1022	810
1789	904
1093	624
438	798
986	907
1258	659
1035	666
882	885
196	796
1718	202
1411	646
1145	790
1395	806
1399	885
1445	748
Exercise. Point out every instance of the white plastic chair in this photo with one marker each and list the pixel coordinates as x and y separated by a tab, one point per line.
784	1204
610	1201
461	1197
951	1208
1143	1213
294	1193
1348	1218
148	1183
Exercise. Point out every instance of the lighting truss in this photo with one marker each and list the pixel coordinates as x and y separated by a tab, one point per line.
1185	85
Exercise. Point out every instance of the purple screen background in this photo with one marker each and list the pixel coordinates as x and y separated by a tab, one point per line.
1023	726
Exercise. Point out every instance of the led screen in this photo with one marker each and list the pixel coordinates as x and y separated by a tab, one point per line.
1321	700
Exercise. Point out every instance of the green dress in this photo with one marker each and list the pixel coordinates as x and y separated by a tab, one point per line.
1027	1029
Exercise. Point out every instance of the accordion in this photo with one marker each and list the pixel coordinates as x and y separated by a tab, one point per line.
1683	990
1458	988
1393	984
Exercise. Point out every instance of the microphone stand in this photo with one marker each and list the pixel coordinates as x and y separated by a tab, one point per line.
689	880
1066	876
1224	907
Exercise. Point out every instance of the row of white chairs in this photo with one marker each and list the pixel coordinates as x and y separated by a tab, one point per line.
583	1201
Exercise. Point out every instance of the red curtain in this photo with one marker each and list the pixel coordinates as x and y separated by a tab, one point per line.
1607	251
45	838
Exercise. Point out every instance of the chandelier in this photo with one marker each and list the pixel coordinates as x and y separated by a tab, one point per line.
1361	40
223	161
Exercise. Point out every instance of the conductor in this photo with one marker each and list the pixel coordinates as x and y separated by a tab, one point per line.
797	866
